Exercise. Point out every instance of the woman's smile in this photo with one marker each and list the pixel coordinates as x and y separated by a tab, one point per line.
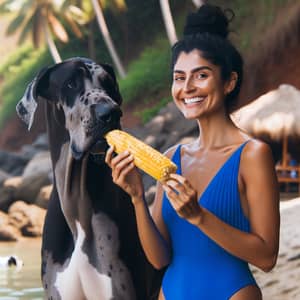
189	101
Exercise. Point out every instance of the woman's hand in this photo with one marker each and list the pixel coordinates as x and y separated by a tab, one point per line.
183	198
125	174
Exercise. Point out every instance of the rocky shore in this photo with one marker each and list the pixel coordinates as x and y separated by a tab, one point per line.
26	176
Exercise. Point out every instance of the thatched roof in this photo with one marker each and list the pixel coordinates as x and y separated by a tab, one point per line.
275	114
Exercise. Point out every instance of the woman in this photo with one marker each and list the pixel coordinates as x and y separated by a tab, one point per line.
221	210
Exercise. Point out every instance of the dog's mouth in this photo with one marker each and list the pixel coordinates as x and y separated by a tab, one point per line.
100	146
96	144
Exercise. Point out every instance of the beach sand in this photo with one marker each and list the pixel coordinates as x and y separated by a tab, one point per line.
283	282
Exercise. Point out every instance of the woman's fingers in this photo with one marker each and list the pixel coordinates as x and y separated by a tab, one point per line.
126	170
108	156
181	180
180	205
120	163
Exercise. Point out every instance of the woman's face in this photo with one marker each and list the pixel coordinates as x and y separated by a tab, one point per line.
198	89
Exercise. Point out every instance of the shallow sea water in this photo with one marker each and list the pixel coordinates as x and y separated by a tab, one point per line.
23	284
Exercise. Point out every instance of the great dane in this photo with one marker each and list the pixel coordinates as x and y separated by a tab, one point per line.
90	247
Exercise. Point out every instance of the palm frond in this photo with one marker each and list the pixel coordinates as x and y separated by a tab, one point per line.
25	31
15	24
75	28
57	28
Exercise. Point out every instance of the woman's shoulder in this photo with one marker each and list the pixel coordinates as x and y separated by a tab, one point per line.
256	154
256	148
170	151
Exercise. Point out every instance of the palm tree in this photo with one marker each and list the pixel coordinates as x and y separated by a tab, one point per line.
41	19
105	32
168	20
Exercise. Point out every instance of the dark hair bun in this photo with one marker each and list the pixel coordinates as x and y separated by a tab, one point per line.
208	18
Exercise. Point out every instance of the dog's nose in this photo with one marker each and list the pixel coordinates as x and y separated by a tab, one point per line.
106	112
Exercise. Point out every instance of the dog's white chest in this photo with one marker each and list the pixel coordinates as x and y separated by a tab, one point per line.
80	279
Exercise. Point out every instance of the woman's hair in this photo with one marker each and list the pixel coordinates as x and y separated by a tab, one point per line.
206	30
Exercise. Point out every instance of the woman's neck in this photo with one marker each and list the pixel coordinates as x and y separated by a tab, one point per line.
216	131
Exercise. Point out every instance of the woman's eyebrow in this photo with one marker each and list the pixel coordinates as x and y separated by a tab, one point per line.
197	69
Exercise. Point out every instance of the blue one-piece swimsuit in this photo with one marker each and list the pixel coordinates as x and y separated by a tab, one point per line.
200	269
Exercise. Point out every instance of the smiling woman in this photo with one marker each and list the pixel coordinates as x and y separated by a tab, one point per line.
214	216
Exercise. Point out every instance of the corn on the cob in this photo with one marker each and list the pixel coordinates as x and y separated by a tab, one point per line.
145	157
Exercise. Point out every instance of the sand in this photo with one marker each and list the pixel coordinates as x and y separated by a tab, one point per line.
283	282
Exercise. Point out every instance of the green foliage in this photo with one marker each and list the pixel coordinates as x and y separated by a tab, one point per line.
148	113
17	76
148	74
15	59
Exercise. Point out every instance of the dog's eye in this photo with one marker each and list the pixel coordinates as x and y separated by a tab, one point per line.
72	84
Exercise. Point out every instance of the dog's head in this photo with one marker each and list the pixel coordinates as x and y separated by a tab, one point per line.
86	92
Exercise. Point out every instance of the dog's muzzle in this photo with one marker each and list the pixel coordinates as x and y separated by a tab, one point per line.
107	116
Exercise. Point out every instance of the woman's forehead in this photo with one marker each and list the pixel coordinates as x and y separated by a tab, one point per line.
191	60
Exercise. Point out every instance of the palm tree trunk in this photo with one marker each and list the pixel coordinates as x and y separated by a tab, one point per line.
91	42
169	24
51	45
107	38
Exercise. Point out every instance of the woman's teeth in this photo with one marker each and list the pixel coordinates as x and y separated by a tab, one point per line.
193	100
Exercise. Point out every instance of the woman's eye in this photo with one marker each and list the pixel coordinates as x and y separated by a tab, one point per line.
179	78
201	76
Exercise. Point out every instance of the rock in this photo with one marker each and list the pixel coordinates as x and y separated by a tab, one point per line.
28	218
6	197
3	176
30	187
7	231
8	191
40	144
40	164
150	194
14	182
43	197
12	163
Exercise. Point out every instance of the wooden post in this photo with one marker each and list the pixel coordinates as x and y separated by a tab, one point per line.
285	151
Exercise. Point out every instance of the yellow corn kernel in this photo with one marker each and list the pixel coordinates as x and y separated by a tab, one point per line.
146	158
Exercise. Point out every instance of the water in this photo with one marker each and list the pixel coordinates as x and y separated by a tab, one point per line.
23	284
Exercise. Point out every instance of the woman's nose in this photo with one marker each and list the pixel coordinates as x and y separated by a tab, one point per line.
188	85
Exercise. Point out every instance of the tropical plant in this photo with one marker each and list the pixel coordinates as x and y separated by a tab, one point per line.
43	20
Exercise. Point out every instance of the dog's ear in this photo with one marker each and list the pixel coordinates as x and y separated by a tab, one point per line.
110	70
111	85
27	106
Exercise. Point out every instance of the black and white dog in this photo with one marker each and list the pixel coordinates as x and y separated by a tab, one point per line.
90	246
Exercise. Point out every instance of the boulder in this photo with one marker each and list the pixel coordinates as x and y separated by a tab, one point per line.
39	164
8	232
8	192
28	218
12	163
40	144
30	187
3	176
43	196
